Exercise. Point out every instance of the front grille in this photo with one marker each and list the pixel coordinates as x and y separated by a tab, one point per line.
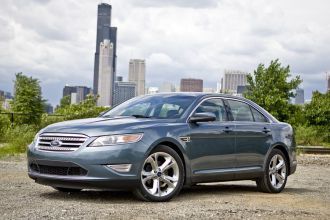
60	142
61	171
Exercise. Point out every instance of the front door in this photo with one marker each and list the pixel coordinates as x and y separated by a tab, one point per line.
212	144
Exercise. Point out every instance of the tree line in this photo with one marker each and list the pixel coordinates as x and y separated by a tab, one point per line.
270	86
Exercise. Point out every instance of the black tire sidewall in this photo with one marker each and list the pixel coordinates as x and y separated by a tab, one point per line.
145	194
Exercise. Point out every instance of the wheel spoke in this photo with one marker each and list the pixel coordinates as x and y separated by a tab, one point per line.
158	187
274	161
280	165
148	176
173	179
166	164
273	179
155	186
153	163
167	181
280	178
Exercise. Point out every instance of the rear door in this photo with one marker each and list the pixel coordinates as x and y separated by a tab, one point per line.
253	134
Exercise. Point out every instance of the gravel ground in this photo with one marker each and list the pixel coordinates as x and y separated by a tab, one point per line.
307	196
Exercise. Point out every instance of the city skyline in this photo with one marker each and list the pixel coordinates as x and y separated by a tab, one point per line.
59	48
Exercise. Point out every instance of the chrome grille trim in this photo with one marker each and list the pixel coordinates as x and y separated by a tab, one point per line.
69	142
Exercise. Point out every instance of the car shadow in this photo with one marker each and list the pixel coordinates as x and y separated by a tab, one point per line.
221	189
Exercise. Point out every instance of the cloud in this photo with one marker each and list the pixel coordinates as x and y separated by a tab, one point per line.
55	40
176	3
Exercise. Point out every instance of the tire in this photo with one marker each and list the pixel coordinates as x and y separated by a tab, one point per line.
275	177
66	190
161	175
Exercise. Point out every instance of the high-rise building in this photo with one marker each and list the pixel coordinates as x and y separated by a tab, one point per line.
167	87
191	85
328	78
105	87
300	97
105	32
76	93
231	80
137	74
123	92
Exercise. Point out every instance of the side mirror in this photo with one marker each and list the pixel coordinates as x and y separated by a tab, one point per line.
202	117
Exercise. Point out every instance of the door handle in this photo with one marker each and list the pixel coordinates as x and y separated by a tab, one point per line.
227	130
266	130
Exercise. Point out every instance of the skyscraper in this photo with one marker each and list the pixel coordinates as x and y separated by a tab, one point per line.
123	92
77	93
105	32
106	79
300	97
328	78
191	85
231	80
137	74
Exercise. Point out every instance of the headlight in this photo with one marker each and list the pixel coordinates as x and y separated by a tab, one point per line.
116	139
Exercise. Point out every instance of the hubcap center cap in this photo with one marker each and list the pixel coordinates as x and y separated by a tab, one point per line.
159	174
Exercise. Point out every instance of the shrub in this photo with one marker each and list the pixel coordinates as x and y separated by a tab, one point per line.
4	125
311	135
17	139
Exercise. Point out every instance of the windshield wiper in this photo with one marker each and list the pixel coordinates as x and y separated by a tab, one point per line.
140	116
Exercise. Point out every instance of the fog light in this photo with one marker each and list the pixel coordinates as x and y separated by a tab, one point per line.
120	167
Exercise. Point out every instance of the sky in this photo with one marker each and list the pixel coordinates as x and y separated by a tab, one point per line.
54	40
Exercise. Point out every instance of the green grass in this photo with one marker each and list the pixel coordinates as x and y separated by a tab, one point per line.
311	136
15	140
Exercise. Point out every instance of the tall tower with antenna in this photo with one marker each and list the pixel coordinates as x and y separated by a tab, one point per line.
105	32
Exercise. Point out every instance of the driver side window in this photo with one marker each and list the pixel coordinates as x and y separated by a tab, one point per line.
214	106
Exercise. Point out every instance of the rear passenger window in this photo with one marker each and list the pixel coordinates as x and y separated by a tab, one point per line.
240	111
258	117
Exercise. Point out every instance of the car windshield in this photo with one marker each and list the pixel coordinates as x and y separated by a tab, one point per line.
158	106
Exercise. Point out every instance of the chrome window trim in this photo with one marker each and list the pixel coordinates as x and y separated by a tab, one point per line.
228	98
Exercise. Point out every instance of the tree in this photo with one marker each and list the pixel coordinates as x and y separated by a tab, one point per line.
65	101
27	100
318	110
84	109
271	88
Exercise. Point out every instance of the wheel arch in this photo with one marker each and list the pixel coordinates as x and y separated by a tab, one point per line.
284	149
180	150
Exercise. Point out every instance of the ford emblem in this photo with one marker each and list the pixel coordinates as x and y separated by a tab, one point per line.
55	143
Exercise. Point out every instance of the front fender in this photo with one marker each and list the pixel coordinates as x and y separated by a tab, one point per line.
174	143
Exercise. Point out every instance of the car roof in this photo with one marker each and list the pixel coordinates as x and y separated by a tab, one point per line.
197	94
202	95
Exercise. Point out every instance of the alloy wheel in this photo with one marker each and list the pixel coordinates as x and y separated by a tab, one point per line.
277	171
160	174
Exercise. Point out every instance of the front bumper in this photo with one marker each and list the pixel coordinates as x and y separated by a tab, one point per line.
92	161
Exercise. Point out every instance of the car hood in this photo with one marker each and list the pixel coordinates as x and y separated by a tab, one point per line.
104	126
